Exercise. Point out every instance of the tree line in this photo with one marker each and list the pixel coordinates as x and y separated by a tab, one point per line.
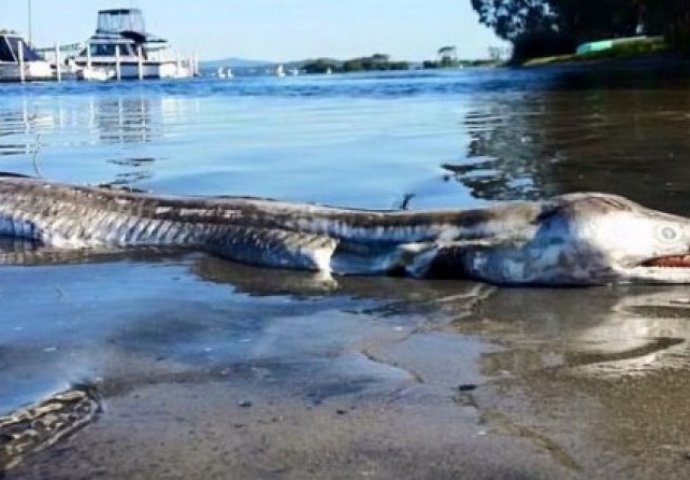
550	27
376	62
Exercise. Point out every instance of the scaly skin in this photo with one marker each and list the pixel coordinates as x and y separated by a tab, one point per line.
36	427
574	239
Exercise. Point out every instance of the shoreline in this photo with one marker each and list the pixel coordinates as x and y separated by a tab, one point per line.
664	60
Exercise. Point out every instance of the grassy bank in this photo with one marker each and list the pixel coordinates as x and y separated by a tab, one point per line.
627	50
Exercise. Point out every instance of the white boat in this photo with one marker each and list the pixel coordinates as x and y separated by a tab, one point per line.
122	45
96	74
280	71
13	48
224	72
294	72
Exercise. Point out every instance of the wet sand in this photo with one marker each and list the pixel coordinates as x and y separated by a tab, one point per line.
372	378
202	432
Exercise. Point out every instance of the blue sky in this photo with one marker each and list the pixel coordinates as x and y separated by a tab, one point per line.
273	29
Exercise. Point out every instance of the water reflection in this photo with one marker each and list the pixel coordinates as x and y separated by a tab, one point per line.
600	374
132	171
615	331
20	129
126	120
533	145
57	133
134	317
254	281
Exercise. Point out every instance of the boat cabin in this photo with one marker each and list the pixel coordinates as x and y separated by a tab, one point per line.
10	46
19	62
120	20
125	23
122	48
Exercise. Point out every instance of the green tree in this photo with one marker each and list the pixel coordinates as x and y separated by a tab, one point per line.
496	54
595	19
320	65
670	18
354	65
586	20
448	56
380	58
512	18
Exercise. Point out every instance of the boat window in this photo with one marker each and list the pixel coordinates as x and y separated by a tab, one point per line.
120	20
126	49
103	50
6	54
108	50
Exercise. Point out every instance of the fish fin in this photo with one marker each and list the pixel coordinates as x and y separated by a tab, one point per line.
397	260
417	259
275	248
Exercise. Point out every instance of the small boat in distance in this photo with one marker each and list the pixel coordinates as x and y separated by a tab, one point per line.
121	48
280	71
18	61
224	72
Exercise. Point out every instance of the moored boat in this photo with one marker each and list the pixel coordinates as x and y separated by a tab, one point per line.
122	49
20	62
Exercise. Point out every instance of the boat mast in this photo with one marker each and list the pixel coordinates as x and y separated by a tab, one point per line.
29	16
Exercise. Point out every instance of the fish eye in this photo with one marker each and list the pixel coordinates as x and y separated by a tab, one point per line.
667	233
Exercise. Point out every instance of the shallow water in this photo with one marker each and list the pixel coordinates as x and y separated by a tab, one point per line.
444	139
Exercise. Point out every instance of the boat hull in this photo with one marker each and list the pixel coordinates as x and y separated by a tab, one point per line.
33	71
107	70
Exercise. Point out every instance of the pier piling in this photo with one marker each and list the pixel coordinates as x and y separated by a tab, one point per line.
22	76
140	63
58	67
118	72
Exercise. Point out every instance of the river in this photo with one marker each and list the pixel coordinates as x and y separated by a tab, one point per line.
210	369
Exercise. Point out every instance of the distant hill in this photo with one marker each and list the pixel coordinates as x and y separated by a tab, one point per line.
234	62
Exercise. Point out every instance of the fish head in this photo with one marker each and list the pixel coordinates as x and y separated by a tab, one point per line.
579	239
643	245
601	238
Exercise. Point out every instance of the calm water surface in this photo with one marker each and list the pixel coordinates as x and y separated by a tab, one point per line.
451	139
458	139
